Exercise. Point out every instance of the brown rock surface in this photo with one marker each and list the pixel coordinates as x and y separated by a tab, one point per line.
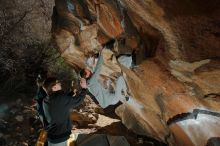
176	44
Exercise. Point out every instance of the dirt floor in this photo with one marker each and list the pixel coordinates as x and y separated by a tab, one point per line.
20	126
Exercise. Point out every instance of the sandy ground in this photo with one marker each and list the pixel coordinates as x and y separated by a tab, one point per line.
20	126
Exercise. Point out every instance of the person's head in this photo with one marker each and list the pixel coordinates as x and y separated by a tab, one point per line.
51	85
110	44
85	73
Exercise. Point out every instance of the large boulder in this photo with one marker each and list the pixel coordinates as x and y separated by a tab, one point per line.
175	87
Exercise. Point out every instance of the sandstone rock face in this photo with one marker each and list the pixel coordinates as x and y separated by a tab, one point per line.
176	47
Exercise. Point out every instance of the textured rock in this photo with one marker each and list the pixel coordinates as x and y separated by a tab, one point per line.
26	21
88	39
19	118
175	44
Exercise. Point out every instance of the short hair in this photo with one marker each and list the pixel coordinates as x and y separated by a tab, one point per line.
49	83
110	44
82	73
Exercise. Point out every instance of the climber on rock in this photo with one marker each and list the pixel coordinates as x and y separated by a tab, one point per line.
57	106
105	95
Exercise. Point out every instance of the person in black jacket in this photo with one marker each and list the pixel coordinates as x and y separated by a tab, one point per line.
57	108
41	94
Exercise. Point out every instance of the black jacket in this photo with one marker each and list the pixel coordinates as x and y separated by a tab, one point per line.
57	112
41	94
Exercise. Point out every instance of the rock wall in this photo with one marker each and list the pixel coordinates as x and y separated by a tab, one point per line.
176	47
25	21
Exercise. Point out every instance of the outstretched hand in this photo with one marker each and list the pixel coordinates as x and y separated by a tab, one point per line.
83	83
